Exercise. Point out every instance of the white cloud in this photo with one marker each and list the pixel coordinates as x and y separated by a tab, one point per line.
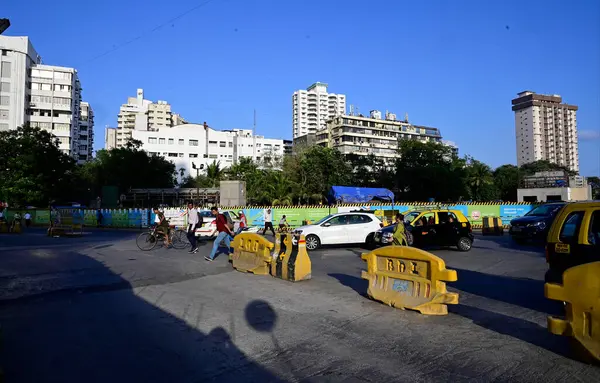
589	135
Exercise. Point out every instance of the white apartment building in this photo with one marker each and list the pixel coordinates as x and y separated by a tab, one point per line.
17	57
546	129
86	133
142	115
54	104
199	144
313	107
44	96
373	135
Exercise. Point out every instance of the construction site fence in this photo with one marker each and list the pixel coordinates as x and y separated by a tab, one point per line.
295	215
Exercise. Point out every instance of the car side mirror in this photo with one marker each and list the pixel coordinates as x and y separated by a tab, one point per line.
326	224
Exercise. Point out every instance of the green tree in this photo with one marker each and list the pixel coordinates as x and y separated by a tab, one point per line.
279	188
214	173
33	169
543	166
324	168
595	183
480	181
429	170
506	179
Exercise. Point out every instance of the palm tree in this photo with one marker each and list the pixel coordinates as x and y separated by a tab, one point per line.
279	189
214	173
479	175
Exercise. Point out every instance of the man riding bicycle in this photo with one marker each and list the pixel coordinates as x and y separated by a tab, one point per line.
162	226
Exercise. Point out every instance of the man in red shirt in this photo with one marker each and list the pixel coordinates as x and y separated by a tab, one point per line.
225	233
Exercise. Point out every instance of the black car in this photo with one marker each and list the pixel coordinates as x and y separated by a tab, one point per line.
442	232
535	224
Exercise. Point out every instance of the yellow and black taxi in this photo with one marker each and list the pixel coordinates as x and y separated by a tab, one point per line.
432	227
573	239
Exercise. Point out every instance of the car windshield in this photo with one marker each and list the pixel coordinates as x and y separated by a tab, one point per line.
206	213
323	219
408	218
544	210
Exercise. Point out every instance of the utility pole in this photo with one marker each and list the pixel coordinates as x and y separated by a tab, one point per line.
197	168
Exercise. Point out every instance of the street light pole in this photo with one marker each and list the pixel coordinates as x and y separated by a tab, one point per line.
197	168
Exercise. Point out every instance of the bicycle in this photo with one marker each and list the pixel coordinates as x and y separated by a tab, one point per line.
148	240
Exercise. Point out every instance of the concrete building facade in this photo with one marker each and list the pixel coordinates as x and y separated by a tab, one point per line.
86	133
196	144
372	135
141	115
313	107
546	129
45	96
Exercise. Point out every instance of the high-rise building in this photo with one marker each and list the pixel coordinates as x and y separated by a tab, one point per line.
373	135
546	129
45	96
17	57
313	107
86	132
141	114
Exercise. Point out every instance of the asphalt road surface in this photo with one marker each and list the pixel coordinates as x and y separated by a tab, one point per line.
96	309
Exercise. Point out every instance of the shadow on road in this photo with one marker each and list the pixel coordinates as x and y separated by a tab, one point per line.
524	292
514	327
116	336
506	242
355	283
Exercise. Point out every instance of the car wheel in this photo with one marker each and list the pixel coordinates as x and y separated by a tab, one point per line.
312	242
370	242
464	244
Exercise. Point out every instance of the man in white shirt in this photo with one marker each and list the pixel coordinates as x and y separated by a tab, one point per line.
193	222
27	219
268	216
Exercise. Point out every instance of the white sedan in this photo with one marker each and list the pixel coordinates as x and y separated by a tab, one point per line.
341	228
209	224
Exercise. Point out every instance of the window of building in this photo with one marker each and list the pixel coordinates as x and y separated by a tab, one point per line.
5	69
193	142
214	143
181	141
61	101
212	156
152	140
5	52
3	127
171	141
4	100
180	155
5	87
222	144
231	144
193	155
3	114
172	154
161	141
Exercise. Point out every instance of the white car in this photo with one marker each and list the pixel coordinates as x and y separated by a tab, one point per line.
209	224
340	228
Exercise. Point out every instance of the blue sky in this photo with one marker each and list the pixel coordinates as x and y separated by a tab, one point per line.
454	65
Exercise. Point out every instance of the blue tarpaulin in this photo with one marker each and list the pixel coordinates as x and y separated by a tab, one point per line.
349	194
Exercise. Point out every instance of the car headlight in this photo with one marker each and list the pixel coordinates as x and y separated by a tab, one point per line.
540	225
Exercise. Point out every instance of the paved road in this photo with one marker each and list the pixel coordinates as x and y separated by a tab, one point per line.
96	309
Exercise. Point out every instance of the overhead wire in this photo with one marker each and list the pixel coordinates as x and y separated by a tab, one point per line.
170	21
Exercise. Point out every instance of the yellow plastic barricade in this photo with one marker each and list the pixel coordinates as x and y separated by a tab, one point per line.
581	291
251	253
492	226
291	260
409	278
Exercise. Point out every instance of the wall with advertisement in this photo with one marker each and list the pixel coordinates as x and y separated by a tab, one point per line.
135	218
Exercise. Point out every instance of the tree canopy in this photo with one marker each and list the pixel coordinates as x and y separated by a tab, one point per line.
35	171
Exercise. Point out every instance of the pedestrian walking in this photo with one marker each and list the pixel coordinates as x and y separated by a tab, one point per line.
400	231
268	217
225	233
194	220
27	220
99	218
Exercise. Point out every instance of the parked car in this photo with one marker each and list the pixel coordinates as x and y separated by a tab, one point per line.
535	224
340	228
432	227
573	239
209	225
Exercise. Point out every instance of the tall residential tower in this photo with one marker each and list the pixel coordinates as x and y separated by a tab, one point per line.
313	107
546	129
